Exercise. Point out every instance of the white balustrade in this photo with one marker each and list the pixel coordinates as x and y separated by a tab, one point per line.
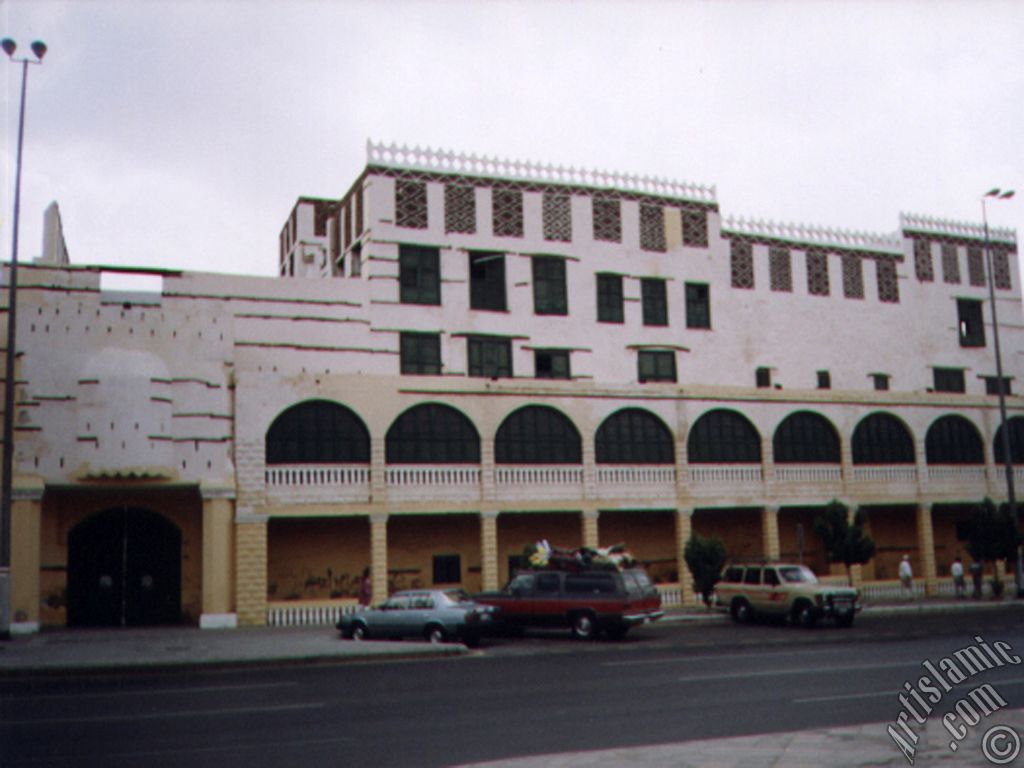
310	483
433	476
808	473
671	595
539	481
636	475
433	482
316	474
311	614
726	474
537	474
885	473
957	474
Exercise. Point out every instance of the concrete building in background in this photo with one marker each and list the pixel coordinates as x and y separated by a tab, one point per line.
464	355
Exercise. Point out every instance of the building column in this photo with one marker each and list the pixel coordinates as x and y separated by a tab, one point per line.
26	543
489	550
591	537
218	559
378	470
926	548
684	526
770	533
251	568
767	459
488	470
379	556
590	489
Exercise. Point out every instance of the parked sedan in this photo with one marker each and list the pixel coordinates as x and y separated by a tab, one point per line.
436	615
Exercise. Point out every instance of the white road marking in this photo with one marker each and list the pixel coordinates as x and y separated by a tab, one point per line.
708	658
896	692
792	672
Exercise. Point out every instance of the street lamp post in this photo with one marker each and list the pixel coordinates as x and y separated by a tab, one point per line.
1011	496
6	482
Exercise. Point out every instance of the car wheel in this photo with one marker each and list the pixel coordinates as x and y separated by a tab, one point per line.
583	626
434	634
845	621
359	632
803	615
741	612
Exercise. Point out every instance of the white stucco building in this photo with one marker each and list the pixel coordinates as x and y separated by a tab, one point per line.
463	355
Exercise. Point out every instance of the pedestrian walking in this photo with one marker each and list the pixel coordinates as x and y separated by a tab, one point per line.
976	570
907	575
957	572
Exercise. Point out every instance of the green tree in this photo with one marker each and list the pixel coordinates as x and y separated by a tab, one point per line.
705	557
994	536
844	542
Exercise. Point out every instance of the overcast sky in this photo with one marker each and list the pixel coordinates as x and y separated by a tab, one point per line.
179	133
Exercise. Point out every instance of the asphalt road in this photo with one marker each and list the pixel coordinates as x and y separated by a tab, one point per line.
540	694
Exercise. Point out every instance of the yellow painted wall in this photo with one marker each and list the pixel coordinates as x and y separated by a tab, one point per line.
413	540
649	535
739	530
894	530
516	530
26	521
62	510
316	558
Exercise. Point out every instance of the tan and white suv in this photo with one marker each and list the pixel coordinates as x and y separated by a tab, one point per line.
784	590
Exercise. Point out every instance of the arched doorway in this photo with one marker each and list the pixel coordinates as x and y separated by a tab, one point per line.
124	570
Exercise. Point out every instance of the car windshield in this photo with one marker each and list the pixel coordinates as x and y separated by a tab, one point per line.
797	574
455	596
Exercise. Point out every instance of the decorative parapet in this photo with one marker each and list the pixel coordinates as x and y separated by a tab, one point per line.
447	161
919	223
806	233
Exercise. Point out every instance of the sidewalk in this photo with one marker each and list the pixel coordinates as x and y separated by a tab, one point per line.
856	746
64	650
148	649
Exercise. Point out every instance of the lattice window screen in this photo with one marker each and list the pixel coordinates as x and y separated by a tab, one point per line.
975	265
557	215
411	204
1001	268
853	277
459	208
695	228
780	266
652	227
607	220
923	260
888	287
817	273
742	262
507	212
950	264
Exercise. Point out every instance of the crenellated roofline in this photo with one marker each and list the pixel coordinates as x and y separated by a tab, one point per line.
813	235
448	161
913	222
